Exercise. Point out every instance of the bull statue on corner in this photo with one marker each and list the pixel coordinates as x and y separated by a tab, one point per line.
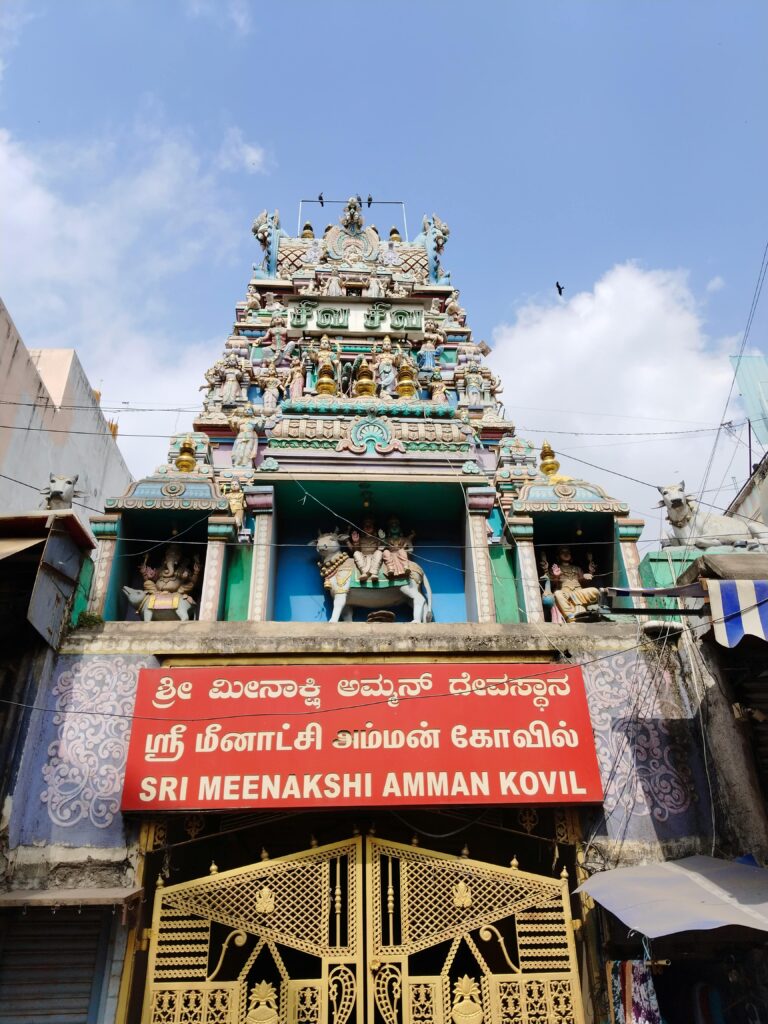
691	526
341	579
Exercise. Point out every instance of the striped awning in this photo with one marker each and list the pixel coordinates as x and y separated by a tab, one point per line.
739	608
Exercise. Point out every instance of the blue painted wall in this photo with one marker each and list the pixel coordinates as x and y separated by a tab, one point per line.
299	594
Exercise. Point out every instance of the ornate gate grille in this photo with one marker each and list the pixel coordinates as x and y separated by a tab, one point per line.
445	939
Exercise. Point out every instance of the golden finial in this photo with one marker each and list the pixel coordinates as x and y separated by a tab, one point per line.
514	863
394	235
549	464
213	869
160	882
307	231
465	851
185	461
264	855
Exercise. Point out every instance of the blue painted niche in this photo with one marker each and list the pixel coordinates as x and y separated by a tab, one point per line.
435	511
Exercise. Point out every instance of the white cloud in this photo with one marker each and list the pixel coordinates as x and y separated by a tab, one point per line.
14	15
715	284
99	273
238	155
631	355
238	12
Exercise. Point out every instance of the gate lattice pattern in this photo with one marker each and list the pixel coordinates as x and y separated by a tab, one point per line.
497	942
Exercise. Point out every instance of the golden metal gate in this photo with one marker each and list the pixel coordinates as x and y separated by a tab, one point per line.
365	932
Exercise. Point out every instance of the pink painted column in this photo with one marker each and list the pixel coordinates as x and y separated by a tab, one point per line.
260	502
105	529
221	530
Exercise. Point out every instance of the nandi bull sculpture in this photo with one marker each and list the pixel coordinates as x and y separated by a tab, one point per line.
699	528
399	580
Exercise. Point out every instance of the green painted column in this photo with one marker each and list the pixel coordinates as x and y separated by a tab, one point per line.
520	529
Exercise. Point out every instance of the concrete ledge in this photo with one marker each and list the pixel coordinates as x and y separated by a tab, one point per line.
287	640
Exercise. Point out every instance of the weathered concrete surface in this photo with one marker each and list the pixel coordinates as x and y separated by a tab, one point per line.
322	639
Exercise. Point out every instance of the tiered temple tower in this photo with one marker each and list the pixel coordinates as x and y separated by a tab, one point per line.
352	401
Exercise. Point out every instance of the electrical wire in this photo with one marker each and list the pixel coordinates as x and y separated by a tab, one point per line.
372	703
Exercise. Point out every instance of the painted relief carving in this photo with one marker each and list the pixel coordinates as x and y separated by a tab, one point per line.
168	586
399	579
86	762
566	582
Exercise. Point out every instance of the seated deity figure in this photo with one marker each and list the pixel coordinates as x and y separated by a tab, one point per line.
567	582
397	547
253	302
367	549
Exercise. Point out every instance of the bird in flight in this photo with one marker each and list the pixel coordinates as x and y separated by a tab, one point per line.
560	288
320	199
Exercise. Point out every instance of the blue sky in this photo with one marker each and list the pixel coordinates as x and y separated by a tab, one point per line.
618	147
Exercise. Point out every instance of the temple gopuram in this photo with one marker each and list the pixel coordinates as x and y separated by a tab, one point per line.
350	720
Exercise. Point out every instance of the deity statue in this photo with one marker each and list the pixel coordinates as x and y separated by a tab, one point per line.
247	426
397	290
364	385
176	574
438	389
272	303
327	366
431	349
296	379
332	286
367	549
567	582
453	310
271	385
214	377
397	547
434	306
310	288
273	344
235	379
352	218
236	501
253	302
386	367
473	383
375	288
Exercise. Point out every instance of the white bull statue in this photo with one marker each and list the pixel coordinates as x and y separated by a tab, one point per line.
697	528
340	577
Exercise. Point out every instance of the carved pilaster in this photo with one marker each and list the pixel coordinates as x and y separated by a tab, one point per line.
480	501
629	531
521	531
105	529
221	529
261	503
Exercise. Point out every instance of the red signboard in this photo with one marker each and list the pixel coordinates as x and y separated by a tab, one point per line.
353	735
